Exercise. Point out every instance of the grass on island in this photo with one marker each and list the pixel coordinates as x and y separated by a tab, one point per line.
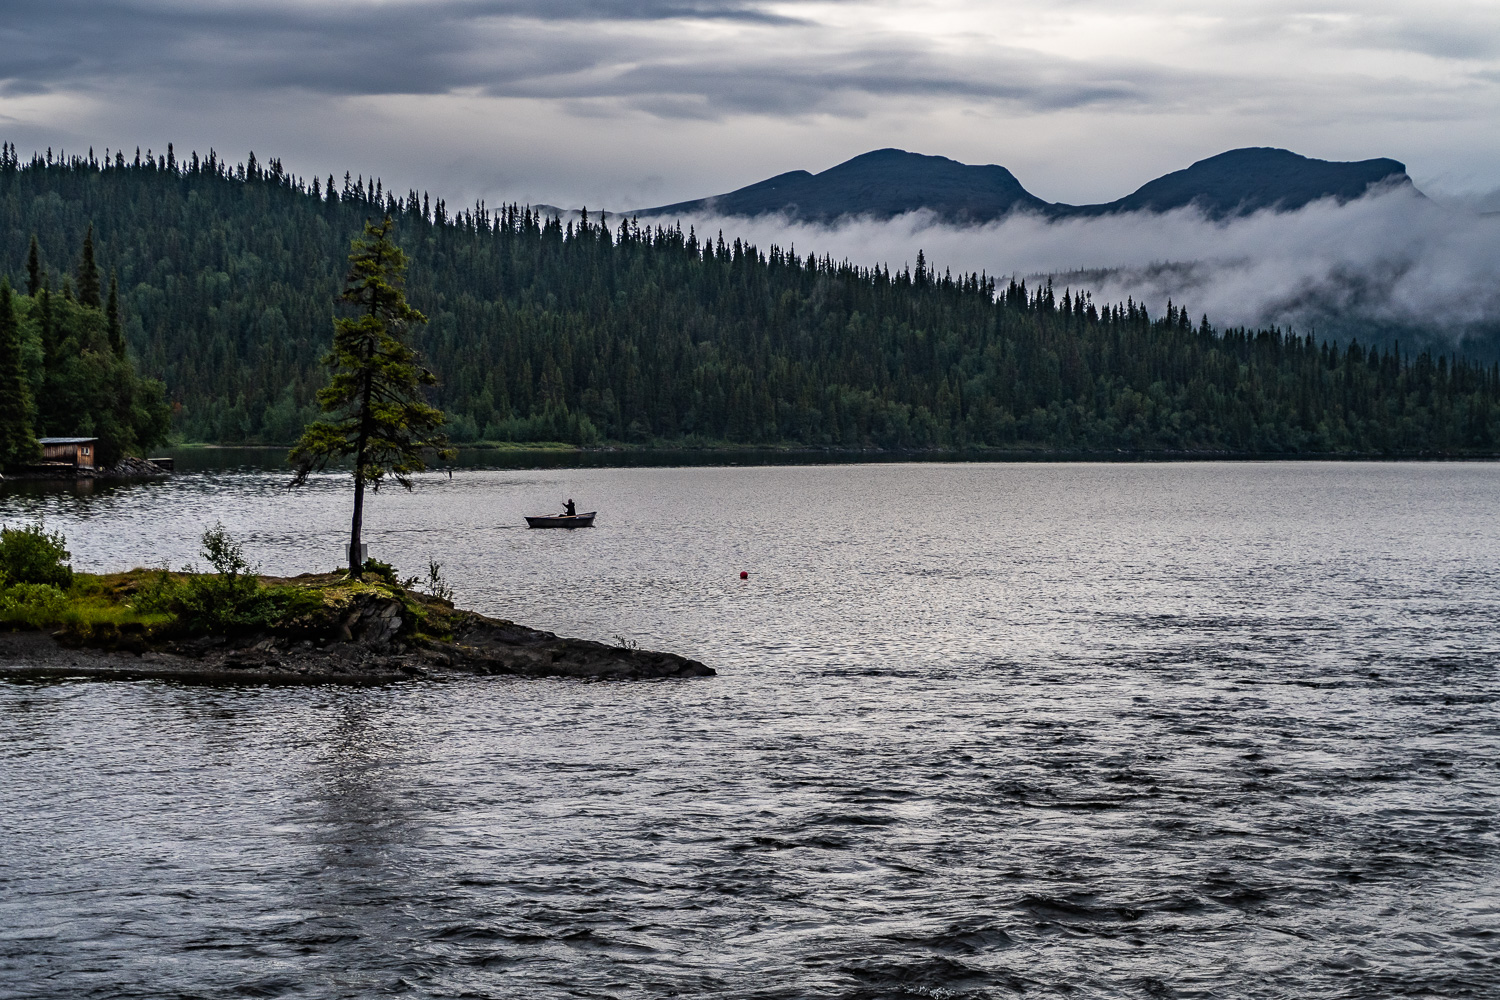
40	590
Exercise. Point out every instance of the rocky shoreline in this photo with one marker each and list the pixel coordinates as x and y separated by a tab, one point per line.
372	642
128	467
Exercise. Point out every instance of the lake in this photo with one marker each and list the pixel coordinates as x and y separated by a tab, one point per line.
1085	730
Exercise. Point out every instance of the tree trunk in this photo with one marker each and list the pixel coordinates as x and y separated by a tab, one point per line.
356	566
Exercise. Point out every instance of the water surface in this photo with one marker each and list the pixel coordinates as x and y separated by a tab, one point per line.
1077	730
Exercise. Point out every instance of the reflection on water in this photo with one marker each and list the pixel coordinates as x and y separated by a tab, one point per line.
197	459
1187	730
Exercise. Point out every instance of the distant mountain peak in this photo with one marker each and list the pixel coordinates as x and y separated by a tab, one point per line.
881	183
1246	180
884	183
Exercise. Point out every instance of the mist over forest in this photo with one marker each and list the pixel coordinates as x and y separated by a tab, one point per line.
1391	266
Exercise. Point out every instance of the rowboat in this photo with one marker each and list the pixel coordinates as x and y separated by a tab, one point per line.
561	520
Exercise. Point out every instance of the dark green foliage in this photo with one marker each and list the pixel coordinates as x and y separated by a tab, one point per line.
226	556
34	576
78	377
33	555
384	572
375	384
88	273
31	605
223	600
81	386
228	600
17	442
547	331
46	325
374	391
112	327
33	267
436	585
38	590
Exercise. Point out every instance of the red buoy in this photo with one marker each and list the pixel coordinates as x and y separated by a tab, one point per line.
744	575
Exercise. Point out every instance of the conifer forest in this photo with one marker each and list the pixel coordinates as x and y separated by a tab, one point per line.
622	333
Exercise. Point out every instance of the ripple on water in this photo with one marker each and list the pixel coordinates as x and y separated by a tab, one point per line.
1196	730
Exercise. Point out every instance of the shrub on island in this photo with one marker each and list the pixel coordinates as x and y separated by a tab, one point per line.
40	590
33	555
229	624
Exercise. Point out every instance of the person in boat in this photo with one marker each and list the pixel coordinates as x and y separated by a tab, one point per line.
569	510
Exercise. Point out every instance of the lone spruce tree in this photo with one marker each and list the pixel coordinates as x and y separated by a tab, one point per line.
374	393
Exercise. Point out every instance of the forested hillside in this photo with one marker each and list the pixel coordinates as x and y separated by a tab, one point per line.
540	331
64	367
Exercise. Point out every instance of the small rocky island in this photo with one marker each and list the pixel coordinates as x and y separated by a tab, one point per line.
235	627
367	634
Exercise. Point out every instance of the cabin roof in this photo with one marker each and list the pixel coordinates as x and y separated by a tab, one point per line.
46	441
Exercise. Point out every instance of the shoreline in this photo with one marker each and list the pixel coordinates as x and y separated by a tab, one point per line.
49	660
127	468
219	458
372	634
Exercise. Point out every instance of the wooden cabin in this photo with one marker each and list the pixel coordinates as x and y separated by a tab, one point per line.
77	452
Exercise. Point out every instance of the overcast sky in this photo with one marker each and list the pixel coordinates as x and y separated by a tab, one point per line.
630	103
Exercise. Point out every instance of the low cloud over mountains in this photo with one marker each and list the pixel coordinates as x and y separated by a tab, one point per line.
885	183
1366	256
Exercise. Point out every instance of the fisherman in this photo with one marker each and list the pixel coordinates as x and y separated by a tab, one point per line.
568	508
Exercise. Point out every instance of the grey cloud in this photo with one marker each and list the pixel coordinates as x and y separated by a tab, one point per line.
577	50
1449	43
414	48
257	73
1473	202
833	81
598	10
1441	34
1474	39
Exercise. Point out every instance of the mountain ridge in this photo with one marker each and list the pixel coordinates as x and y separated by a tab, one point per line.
885	183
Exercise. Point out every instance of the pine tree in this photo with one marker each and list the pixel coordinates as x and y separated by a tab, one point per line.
88	272
52	360
33	267
46	324
17	442
113	326
374	391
